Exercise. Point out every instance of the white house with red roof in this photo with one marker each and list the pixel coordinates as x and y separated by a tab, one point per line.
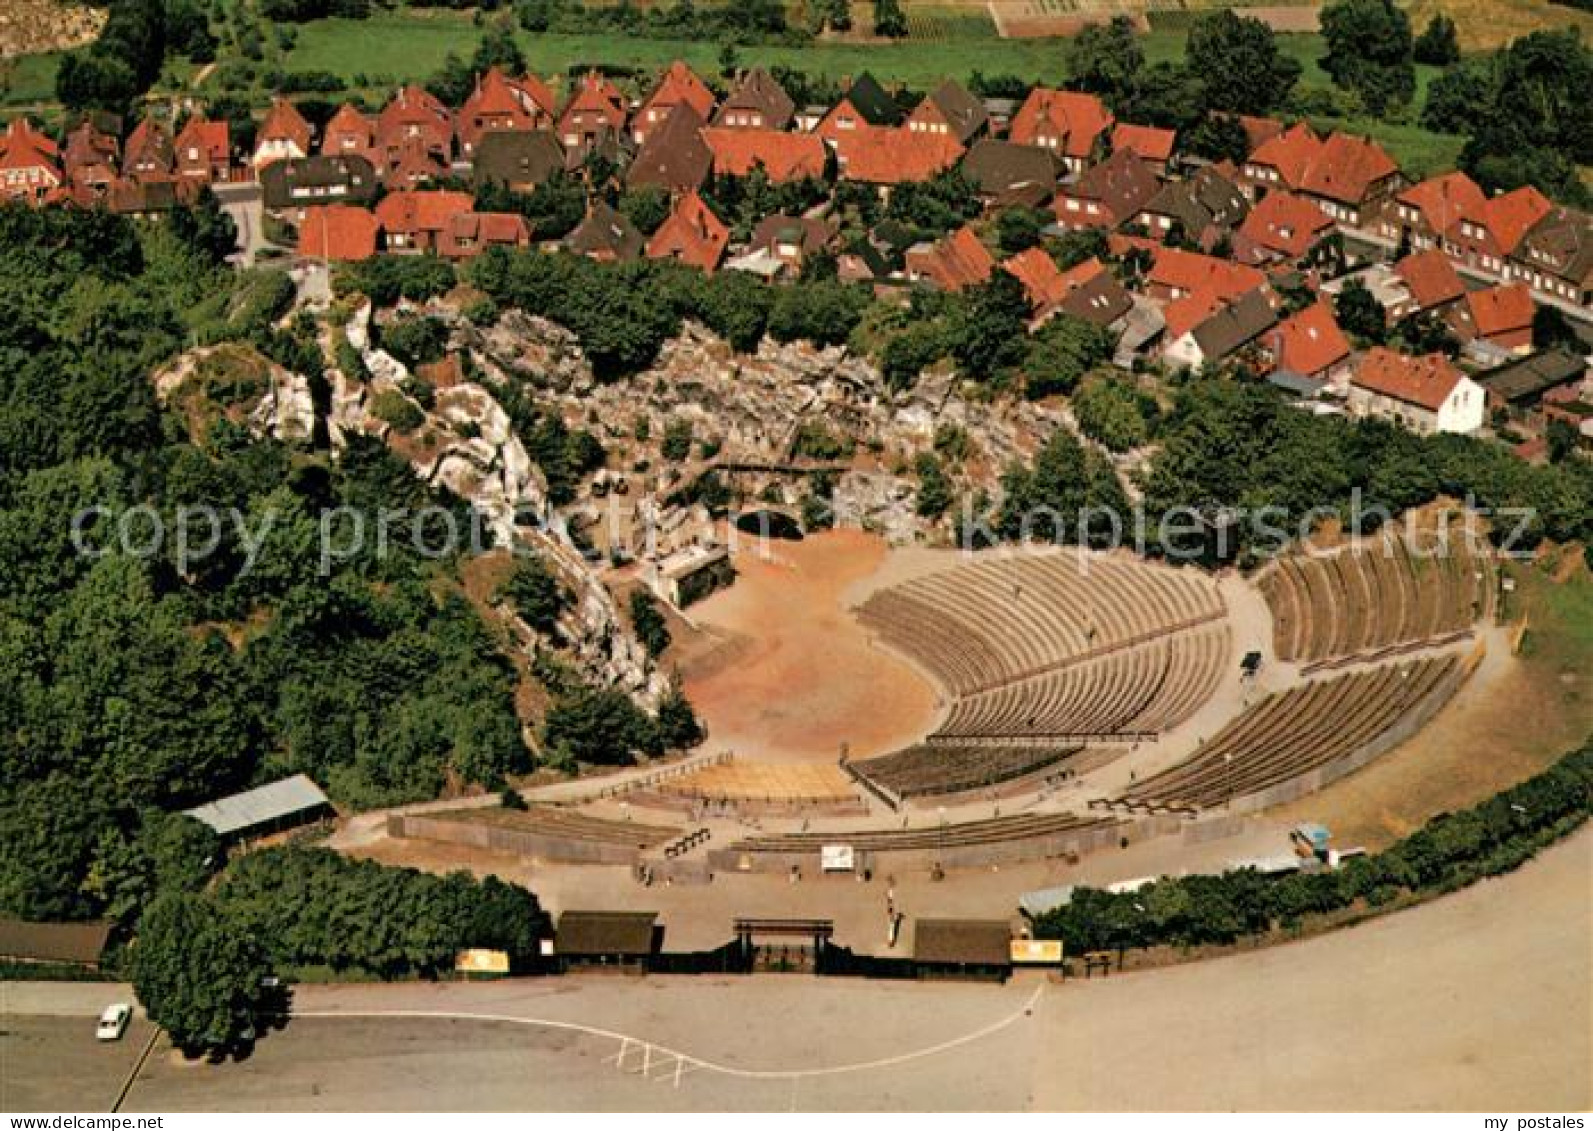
284	135
30	163
1425	394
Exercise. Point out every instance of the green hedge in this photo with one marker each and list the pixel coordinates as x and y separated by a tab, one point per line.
1452	851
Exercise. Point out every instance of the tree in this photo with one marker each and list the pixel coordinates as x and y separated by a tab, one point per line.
1062	352
1359	312
198	976
934	489
1439	44
678	726
646	207
1237	61
1551	329
1018	229
206	228
1105	59
1461	99
1113	413
1219	137
1369	51
992	329
651	627
538	597
499	48
601	727
889	19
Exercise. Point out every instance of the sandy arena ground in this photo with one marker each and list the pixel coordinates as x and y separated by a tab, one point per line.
1479	1001
796	675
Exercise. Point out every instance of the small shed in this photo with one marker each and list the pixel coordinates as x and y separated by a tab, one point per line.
625	940
977	949
55	944
267	809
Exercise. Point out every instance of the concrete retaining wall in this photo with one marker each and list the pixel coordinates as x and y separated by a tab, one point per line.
519	841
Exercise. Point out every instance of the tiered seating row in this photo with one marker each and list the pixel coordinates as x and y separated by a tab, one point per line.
1361	601
982	625
1293	733
992	831
931	770
1144	690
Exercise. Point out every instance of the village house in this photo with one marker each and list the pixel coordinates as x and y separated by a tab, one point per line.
1431	281
467	234
595	111
1006	174
1555	257
607	236
955	263
1425	394
886	157
30	165
414	137
1485	237
865	106
679	86
283	136
781	244
148	154
692	235
1282	227
1176	274
90	159
1204	208
501	103
204	151
1280	161
1150	144
950	110
517	160
1072	125
288	187
1203	329
1310	345
414	219
1422	213
782	157
676	157
757	103
1501	316
349	132
338	232
1108	194
1352	179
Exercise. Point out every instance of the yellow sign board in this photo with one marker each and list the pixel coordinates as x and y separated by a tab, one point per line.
482	962
1036	951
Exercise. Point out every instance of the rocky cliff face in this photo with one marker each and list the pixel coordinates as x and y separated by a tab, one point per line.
240	384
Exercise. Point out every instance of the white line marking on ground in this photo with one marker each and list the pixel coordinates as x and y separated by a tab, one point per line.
694	1062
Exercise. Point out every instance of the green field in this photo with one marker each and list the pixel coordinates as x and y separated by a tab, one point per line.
28	80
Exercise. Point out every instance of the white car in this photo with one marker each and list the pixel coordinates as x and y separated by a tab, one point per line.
114	1021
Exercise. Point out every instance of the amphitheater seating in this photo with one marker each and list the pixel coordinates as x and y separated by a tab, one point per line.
983	625
738	780
1292	733
931	770
567	824
1362	601
995	830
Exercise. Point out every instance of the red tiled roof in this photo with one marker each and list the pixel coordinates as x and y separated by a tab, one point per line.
956	262
680	84
420	210
1286	224
1075	120
1189	272
1309	343
1290	152
1424	381
1501	310
1149	142
1183	314
470	233
283	122
20	131
23	147
501	103
1509	217
891	155
692	235
349	130
338	231
596	96
1259	131
1346	167
784	157
1431	278
1444	199
414	113
212	139
1047	284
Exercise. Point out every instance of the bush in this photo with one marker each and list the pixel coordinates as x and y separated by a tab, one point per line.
393	408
